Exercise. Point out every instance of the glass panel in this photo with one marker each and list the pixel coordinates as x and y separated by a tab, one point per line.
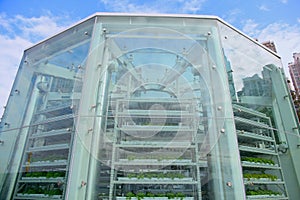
257	86
159	94
40	116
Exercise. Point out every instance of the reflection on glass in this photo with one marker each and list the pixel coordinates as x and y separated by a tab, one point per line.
257	106
49	89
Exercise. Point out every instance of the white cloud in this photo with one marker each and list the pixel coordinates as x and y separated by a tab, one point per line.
4	22
285	36
283	1
251	27
232	16
193	5
158	6
42	26
16	34
263	8
10	56
33	28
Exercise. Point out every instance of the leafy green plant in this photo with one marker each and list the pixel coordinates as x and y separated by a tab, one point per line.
259	176
160	175
130	157
156	175
170	195
35	174
131	175
149	194
50	175
141	195
258	160
50	158
160	195
180	195
140	176
54	192
53	174
262	192
39	190
129	195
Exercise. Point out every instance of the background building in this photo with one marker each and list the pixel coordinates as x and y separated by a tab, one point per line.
294	69
125	106
270	45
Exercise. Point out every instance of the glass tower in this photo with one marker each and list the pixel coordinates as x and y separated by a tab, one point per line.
124	106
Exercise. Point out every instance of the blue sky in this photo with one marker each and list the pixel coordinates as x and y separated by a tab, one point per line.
23	23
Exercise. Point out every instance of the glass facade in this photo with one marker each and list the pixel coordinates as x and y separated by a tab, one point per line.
149	107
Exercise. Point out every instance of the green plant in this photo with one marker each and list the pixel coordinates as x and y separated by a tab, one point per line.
262	192
149	194
160	175
50	175
155	175
140	195
160	195
131	175
39	190
259	176
258	160
31	191
140	176
58	174
180	195
170	195
54	192
49	158
53	174
129	195
130	157
160	159
35	174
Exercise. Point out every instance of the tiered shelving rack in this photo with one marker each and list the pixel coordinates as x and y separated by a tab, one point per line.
263	177
46	157
154	151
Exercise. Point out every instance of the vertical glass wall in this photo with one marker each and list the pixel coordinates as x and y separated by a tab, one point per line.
38	124
157	89
264	117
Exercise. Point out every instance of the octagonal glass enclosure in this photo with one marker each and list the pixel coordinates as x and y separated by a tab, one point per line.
145	107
